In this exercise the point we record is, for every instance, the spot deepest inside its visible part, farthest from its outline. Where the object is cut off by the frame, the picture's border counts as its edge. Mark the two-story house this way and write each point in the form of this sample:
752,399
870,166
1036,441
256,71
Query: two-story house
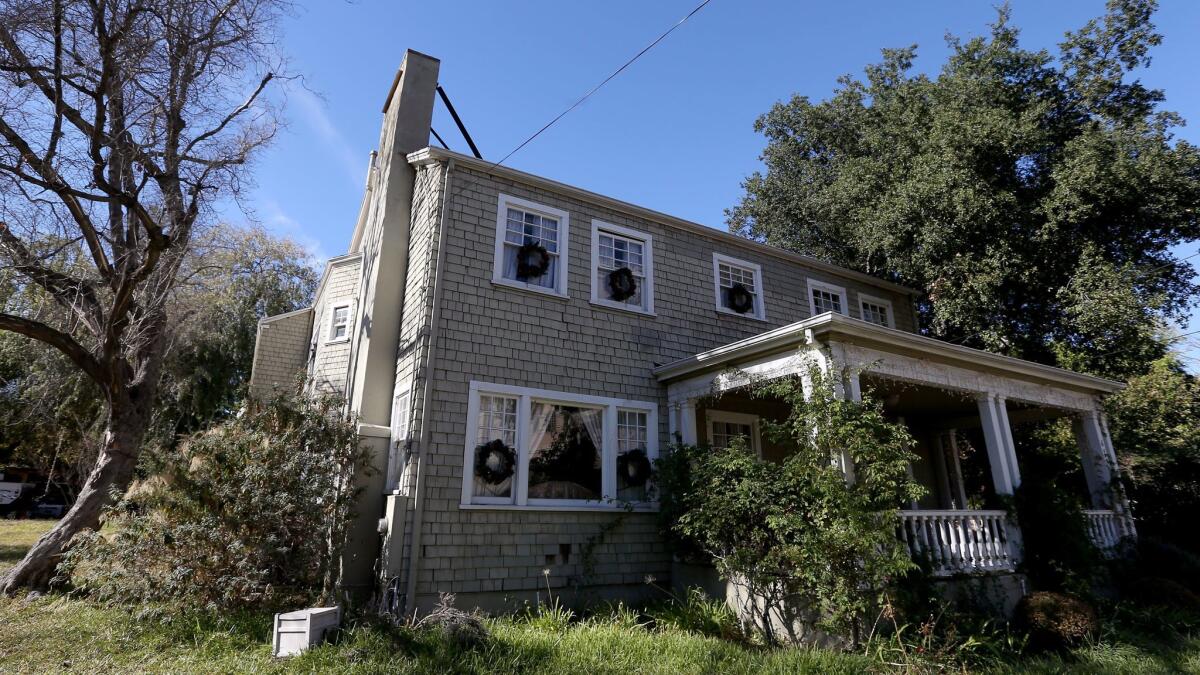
517,351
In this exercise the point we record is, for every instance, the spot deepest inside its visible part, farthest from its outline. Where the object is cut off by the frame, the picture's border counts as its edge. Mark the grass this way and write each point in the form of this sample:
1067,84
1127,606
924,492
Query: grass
59,633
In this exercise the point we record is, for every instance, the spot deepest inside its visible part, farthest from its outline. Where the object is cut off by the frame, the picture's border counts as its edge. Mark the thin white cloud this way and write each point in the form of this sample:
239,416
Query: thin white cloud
315,114
279,221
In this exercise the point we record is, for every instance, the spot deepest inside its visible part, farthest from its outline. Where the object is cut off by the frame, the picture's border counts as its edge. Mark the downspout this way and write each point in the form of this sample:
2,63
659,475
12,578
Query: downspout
418,518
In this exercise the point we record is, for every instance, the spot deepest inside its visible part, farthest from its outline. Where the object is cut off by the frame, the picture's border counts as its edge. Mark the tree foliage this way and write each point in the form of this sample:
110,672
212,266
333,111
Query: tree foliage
52,416
251,511
1006,185
795,532
1156,428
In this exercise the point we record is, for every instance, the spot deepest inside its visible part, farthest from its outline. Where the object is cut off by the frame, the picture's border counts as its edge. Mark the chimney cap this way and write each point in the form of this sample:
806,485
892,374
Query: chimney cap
400,72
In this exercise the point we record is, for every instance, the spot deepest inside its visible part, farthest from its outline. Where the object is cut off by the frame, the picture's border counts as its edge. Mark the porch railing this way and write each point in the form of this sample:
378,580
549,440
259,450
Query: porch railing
1107,528
961,541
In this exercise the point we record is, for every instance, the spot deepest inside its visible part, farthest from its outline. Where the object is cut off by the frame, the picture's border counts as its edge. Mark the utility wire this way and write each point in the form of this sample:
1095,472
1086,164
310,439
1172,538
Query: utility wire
605,81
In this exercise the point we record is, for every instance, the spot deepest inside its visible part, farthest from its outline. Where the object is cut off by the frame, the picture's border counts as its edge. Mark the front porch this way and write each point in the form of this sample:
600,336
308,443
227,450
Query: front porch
961,406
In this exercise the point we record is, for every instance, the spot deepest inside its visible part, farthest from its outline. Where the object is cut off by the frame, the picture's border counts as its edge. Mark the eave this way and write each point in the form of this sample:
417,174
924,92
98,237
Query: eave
840,328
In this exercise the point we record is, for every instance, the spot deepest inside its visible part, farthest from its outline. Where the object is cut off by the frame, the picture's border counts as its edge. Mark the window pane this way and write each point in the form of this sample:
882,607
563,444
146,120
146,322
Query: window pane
723,433
564,452
824,301
497,422
875,313
632,475
547,280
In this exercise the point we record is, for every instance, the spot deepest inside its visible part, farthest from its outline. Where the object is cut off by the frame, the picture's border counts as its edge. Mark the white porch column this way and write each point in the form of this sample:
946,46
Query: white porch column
687,422
993,437
1014,471
1094,455
672,423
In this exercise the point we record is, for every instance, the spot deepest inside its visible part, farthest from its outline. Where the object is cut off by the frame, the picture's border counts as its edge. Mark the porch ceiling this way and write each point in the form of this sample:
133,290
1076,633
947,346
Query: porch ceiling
842,329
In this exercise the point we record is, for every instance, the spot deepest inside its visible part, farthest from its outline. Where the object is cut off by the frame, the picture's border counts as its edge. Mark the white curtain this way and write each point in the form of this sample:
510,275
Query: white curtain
539,426
593,421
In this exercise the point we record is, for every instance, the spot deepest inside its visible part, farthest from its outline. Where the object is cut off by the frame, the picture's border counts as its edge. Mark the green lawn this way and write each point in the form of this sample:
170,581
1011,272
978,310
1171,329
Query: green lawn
57,633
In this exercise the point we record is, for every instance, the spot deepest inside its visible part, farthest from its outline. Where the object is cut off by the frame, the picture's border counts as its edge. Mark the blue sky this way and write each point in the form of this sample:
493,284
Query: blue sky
673,133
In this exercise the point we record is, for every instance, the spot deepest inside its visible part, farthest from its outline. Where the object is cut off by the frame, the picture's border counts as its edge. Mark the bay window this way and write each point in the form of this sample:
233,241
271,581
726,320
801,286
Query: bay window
538,448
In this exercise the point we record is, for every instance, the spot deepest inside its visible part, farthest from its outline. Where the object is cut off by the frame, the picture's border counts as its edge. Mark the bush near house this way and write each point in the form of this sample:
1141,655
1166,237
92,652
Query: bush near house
796,533
250,513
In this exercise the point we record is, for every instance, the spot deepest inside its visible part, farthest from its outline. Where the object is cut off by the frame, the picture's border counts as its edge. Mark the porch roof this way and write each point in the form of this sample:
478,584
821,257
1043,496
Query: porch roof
841,328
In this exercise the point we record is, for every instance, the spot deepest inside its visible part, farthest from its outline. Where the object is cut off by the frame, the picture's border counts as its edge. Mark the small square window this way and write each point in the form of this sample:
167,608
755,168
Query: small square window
622,267
825,297
739,287
877,311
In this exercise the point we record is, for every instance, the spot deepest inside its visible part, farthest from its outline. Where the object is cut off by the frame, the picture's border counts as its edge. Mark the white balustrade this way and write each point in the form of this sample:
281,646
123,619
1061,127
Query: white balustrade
959,541
1107,528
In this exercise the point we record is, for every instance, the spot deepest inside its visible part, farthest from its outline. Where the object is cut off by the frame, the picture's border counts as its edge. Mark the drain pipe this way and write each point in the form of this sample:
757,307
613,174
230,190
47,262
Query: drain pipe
418,519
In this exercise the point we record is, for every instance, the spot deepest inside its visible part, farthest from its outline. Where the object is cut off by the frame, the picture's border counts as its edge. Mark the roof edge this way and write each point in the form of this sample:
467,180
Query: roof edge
829,323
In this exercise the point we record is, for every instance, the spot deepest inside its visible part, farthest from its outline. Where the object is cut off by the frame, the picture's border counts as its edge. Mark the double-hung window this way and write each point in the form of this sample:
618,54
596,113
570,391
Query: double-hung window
739,287
531,246
877,310
622,267
539,448
339,322
825,297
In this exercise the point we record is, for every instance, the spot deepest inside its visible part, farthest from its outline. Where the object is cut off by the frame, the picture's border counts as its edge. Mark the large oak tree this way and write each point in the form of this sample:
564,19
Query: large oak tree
122,123
1035,196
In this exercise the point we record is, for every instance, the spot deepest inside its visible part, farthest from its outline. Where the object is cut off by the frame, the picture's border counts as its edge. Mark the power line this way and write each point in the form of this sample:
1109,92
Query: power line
605,81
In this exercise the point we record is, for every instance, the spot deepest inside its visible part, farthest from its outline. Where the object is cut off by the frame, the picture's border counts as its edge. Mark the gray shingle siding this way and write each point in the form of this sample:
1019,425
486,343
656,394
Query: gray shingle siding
500,335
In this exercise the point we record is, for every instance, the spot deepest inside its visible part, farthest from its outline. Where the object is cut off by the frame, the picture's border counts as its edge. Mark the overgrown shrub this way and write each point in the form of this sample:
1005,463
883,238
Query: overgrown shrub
464,630
252,511
797,531
1054,620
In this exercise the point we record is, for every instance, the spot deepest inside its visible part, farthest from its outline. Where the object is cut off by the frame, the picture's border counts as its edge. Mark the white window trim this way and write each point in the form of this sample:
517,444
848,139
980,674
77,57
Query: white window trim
760,302
711,416
333,306
874,300
647,266
395,451
813,284
525,396
560,284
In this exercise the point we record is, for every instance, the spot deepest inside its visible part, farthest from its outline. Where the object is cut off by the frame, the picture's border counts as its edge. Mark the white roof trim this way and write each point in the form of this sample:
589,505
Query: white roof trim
432,154
799,333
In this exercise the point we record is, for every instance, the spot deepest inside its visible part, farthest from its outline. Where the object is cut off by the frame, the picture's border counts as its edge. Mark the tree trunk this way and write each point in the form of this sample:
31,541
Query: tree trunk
113,472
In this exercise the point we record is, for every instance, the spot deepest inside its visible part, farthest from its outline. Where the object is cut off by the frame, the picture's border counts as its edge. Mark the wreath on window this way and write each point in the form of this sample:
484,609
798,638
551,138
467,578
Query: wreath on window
495,462
532,261
635,467
621,284
741,300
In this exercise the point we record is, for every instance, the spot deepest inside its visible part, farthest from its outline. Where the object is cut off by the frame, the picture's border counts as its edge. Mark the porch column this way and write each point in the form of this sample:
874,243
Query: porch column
1014,471
672,423
687,422
959,485
1094,455
997,448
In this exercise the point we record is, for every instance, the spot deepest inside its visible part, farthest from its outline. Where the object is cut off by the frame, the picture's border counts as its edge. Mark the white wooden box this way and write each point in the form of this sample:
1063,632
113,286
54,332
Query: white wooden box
299,630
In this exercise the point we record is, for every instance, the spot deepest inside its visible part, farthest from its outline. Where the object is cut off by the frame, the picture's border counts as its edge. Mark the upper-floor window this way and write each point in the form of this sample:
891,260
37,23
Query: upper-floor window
531,246
339,322
827,298
531,447
739,287
622,267
877,310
